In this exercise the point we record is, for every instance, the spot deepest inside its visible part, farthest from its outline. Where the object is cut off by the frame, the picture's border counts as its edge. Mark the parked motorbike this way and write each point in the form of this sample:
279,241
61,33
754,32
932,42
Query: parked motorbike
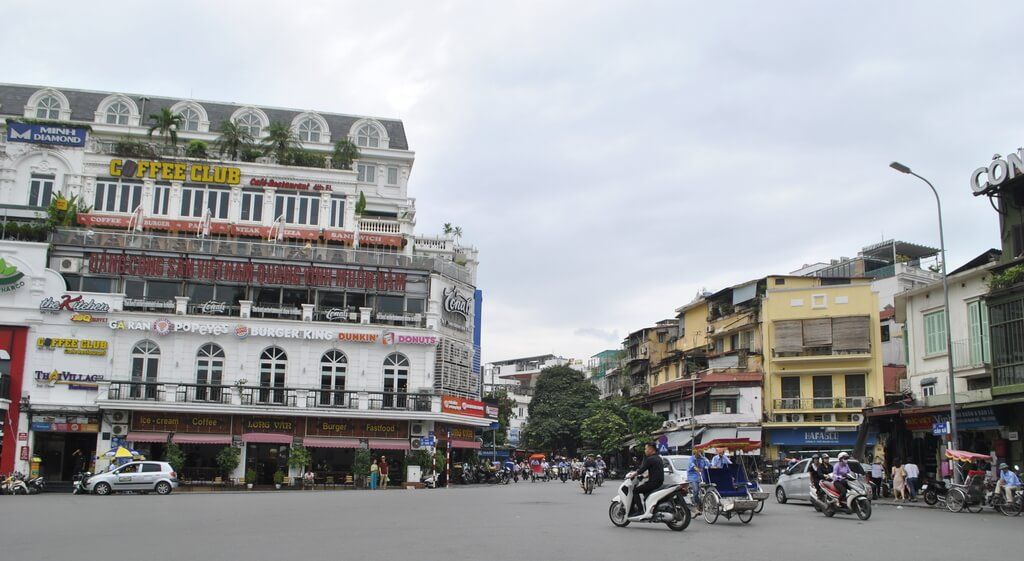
857,498
79,480
934,491
36,485
14,484
666,505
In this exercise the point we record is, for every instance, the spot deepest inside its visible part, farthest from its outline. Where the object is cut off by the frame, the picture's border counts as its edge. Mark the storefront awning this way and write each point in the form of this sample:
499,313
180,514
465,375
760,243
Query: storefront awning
267,438
725,392
465,444
716,433
180,438
681,438
753,433
328,442
143,436
392,444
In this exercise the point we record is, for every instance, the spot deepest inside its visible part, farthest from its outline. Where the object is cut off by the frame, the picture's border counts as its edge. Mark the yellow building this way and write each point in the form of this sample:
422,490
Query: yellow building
822,363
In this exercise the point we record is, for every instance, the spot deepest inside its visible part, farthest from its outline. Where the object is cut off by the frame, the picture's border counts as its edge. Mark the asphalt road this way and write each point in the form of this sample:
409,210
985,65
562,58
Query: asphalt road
523,522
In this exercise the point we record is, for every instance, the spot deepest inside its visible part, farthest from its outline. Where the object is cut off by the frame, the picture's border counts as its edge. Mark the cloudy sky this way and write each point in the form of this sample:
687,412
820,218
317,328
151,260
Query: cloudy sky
608,159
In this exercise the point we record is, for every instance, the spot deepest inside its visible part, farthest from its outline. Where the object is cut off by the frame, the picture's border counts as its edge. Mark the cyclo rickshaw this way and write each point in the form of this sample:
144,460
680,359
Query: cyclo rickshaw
536,467
974,493
727,491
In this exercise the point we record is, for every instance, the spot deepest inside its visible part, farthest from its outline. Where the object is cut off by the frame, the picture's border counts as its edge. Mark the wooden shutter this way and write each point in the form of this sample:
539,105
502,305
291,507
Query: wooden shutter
851,334
818,332
789,336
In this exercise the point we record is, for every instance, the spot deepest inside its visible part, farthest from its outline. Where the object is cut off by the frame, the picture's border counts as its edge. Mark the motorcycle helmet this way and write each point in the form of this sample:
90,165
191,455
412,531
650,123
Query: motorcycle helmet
824,457
815,457
844,456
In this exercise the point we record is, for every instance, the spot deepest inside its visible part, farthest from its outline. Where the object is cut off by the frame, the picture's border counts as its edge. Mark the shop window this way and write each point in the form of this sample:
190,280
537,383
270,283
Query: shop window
355,300
366,173
273,364
161,199
135,288
117,195
298,208
294,298
118,113
393,175
97,284
333,367
252,206
197,199
396,380
162,291
935,333
414,305
368,136
199,293
73,282
48,107
209,373
40,190
390,304
145,364
337,212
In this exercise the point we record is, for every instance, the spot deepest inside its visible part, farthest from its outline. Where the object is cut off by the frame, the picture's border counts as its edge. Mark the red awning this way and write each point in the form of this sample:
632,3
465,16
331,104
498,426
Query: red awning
328,442
389,444
301,233
379,239
180,438
339,236
465,444
143,436
250,231
170,225
107,220
267,438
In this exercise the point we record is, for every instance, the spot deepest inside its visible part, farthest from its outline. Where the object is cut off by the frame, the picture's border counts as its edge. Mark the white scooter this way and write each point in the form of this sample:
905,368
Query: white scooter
666,504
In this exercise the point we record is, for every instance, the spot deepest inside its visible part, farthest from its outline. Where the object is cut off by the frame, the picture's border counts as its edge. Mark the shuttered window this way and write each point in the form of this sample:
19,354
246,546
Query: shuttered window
935,333
851,334
789,336
818,332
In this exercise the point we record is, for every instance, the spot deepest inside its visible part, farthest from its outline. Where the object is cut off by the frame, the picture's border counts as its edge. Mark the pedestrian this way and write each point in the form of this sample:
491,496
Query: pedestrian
877,475
374,475
384,478
899,482
913,473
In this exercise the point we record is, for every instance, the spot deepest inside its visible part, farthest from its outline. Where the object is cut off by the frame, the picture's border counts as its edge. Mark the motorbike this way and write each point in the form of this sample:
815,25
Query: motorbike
79,481
589,481
934,491
14,484
599,477
665,505
857,498
563,473
36,485
429,481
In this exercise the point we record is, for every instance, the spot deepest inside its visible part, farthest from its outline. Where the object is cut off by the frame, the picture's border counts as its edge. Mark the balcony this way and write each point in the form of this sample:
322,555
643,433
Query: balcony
377,226
810,403
89,240
968,355
265,396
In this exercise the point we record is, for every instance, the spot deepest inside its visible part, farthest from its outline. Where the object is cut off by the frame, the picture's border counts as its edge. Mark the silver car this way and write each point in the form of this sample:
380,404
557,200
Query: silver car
675,469
140,477
795,482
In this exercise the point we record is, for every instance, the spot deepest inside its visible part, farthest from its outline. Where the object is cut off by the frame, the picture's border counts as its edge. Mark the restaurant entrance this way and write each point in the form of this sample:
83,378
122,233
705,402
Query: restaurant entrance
64,454
266,459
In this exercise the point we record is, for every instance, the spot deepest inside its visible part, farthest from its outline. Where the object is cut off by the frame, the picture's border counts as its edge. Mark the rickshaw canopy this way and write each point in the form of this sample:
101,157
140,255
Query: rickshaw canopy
731,444
965,456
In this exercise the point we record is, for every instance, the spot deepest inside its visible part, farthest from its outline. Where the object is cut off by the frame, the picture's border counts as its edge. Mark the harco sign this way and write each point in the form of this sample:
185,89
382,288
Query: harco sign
175,171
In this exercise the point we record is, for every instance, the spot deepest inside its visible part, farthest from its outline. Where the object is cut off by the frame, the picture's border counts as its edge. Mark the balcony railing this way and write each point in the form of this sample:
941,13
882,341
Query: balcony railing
235,247
136,391
800,403
969,354
268,395
379,226
203,393
334,399
820,352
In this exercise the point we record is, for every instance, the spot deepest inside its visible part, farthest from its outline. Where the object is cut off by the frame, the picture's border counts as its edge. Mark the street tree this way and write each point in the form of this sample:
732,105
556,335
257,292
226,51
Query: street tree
166,123
605,431
233,139
561,401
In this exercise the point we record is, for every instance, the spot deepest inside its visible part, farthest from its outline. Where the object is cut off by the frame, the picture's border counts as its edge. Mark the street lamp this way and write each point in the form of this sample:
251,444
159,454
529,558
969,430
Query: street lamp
945,294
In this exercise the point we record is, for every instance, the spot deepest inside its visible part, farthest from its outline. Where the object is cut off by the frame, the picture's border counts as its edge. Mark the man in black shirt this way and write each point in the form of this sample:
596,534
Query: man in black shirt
654,469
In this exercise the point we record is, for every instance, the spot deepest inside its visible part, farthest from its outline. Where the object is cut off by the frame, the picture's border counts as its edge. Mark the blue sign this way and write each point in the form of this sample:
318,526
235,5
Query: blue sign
814,436
663,445
46,134
939,429
427,441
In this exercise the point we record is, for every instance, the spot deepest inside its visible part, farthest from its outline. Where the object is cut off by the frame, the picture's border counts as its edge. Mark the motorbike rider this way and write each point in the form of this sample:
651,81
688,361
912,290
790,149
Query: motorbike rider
1008,482
654,468
839,473
817,474
600,465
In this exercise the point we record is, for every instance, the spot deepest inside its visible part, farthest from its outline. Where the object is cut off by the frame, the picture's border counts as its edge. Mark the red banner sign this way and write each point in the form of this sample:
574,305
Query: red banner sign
378,239
462,406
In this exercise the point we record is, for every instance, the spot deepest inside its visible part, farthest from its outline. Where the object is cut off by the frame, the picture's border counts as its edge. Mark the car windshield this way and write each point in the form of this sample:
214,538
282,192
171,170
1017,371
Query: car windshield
680,464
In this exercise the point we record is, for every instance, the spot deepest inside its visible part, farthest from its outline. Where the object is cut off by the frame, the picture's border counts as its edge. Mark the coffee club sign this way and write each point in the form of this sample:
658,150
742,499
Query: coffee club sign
73,346
175,171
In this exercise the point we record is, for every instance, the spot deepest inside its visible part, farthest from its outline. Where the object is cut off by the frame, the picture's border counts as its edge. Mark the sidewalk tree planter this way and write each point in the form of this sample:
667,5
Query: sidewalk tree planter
250,478
299,457
174,456
228,459
278,478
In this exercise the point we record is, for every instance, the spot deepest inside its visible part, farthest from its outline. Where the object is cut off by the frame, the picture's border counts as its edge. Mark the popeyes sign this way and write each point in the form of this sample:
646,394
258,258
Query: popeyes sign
462,406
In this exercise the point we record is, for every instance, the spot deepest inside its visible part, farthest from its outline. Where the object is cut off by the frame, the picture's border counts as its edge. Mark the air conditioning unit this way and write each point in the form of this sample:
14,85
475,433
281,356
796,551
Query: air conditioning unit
781,418
796,418
119,417
856,402
414,444
711,329
904,385
829,417
71,265
119,429
857,418
418,428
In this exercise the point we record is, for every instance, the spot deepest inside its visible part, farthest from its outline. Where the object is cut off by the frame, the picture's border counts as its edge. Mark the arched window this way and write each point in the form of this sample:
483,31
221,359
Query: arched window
117,113
250,123
209,373
368,136
48,107
189,119
333,366
145,362
396,380
310,130
273,364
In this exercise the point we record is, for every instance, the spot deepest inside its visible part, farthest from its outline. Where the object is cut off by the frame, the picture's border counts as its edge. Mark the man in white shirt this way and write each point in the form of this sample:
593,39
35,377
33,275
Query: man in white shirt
912,475
877,476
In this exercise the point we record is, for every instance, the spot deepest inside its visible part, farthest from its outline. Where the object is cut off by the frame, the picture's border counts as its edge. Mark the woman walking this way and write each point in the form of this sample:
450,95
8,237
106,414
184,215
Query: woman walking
899,482
374,475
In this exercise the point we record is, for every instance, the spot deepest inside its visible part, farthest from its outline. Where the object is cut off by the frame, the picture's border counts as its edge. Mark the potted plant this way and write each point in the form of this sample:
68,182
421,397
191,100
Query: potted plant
228,459
250,478
299,457
361,467
278,479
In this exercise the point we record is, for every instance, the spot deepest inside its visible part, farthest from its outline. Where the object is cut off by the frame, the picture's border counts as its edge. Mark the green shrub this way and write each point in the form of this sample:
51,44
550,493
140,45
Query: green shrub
305,158
1009,277
278,477
250,476
228,459
196,149
249,154
300,457
361,466
130,148
174,456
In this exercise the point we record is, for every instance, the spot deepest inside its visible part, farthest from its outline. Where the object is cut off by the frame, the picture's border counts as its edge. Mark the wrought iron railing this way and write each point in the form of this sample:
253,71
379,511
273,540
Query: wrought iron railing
798,403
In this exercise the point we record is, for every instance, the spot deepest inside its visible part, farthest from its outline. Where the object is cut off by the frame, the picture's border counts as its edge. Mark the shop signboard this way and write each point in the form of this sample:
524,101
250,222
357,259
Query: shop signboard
462,406
812,437
977,418
456,309
73,346
939,429
997,172
362,428
24,453
284,425
286,184
167,170
165,326
57,135
457,432
73,304
10,277
392,338
491,410
73,380
64,423
181,422
22,437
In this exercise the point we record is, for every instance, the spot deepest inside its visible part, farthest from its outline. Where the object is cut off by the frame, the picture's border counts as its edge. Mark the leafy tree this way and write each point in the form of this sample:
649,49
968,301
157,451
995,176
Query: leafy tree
642,423
166,122
300,457
305,158
361,466
228,459
279,141
63,212
560,404
249,154
505,405
605,431
196,149
361,204
448,229
457,232
345,152
174,456
233,139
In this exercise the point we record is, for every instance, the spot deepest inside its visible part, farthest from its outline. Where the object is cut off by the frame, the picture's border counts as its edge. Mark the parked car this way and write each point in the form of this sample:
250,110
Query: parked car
140,477
675,469
795,482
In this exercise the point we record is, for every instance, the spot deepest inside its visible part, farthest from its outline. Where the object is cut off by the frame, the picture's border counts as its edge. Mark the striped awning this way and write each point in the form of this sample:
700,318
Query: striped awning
183,438
146,436
390,444
267,438
328,442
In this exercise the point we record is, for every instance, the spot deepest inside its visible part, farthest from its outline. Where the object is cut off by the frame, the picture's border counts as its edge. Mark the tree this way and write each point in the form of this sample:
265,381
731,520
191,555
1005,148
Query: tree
279,141
299,457
228,459
605,431
505,405
561,400
642,423
361,466
361,204
166,122
345,152
447,229
174,456
233,139
457,232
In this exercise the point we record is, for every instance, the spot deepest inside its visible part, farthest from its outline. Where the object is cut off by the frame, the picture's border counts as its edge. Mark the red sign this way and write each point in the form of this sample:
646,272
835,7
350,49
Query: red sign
339,236
24,452
243,272
91,219
378,239
282,184
919,422
22,437
462,406
301,233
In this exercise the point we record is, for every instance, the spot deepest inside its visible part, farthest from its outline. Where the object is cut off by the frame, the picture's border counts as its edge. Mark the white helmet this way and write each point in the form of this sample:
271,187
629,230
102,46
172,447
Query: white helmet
844,456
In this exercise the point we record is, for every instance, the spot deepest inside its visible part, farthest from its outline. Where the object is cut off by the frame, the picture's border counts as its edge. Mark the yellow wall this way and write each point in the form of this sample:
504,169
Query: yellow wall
794,300
695,322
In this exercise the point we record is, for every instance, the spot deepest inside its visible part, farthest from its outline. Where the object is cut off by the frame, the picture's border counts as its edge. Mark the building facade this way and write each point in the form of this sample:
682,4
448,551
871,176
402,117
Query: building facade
213,297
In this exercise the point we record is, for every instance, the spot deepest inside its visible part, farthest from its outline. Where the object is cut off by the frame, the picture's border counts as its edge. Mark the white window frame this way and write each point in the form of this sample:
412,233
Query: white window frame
102,198
392,170
161,199
117,113
368,136
252,200
336,218
310,130
40,191
366,173
190,119
293,213
927,390
48,111
217,199
248,120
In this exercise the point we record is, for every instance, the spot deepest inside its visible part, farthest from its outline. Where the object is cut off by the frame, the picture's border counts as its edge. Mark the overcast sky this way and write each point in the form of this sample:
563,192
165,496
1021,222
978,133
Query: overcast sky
608,159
